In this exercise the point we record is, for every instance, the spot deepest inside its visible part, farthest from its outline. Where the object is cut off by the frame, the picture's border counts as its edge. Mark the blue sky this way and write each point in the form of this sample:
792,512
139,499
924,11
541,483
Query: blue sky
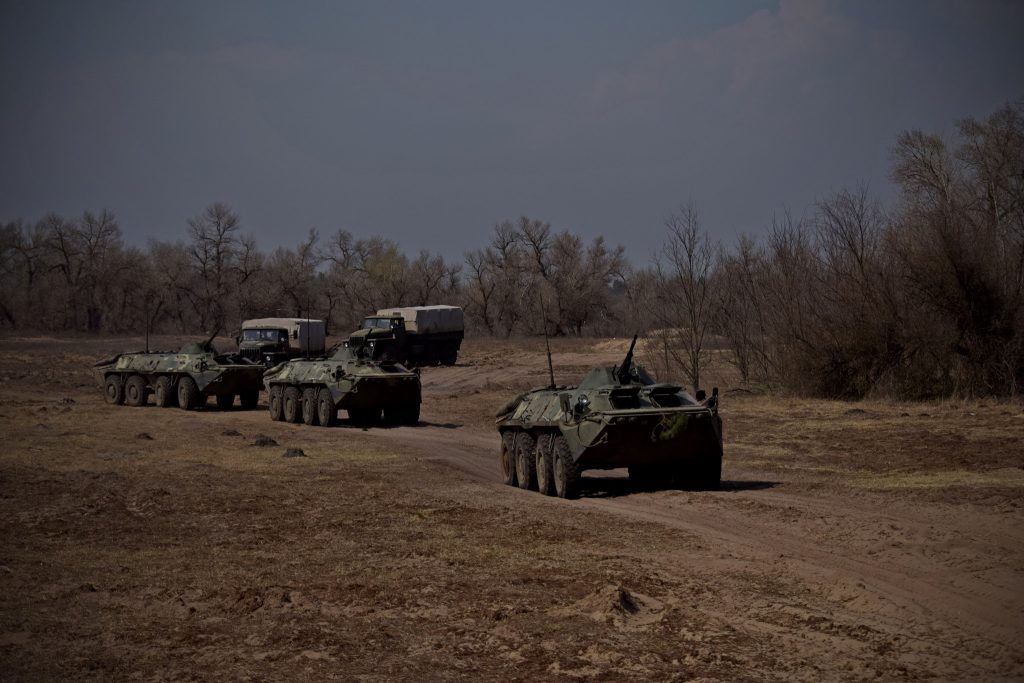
430,122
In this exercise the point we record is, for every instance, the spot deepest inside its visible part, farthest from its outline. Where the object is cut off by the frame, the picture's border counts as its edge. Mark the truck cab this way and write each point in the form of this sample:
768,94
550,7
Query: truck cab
275,340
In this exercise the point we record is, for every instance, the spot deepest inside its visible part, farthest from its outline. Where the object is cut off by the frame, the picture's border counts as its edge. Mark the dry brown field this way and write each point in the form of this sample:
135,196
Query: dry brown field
850,541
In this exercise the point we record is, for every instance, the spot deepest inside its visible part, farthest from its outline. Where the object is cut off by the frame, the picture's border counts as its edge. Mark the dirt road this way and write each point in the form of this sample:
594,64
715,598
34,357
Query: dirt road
869,541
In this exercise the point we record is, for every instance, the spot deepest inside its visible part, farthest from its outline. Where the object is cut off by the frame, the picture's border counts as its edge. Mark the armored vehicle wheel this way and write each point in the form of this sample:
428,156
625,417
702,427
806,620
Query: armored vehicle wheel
325,409
276,404
402,415
364,416
225,401
188,394
508,465
545,472
648,478
526,448
708,476
309,408
249,400
164,393
567,475
135,391
113,390
291,401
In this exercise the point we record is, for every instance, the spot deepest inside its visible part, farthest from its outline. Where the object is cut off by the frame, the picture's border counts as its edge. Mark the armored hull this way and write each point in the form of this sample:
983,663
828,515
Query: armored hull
312,391
616,417
185,378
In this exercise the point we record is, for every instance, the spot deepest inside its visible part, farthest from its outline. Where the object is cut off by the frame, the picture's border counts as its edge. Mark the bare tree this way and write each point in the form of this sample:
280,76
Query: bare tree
685,304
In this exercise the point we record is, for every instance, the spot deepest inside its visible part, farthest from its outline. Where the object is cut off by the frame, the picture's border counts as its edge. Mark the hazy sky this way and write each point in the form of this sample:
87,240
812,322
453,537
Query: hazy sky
428,122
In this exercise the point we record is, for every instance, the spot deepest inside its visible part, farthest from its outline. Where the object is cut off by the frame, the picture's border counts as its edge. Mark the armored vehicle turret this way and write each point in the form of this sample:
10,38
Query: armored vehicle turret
185,377
616,417
312,391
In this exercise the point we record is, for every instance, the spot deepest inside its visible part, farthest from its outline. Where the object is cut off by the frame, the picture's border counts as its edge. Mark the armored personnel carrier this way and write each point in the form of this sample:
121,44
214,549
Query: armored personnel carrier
312,391
186,377
616,417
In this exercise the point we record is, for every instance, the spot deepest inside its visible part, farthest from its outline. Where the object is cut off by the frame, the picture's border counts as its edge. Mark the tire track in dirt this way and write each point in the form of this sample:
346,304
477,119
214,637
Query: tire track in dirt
912,594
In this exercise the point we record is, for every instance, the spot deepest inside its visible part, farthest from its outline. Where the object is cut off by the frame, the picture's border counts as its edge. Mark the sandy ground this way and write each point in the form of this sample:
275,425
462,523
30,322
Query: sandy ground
867,541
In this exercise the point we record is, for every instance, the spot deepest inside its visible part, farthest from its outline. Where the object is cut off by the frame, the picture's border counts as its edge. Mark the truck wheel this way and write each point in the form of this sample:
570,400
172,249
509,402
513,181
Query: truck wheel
309,409
135,391
508,464
188,394
164,393
567,474
113,390
225,401
291,400
449,356
526,456
545,472
249,399
325,408
275,403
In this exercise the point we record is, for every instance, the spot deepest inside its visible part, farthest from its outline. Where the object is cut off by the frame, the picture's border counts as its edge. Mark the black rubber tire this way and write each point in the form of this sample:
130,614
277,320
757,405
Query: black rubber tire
292,405
188,394
543,465
449,355
364,417
408,414
567,473
250,400
650,478
164,394
225,401
709,475
113,390
275,403
526,456
325,408
507,457
309,410
135,391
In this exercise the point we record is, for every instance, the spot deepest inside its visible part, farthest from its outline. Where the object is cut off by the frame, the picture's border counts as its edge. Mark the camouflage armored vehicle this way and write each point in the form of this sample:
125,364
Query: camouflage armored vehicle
312,391
617,417
184,378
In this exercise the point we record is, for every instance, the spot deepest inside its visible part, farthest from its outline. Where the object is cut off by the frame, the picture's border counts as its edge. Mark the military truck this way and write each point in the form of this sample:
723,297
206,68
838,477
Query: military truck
616,417
185,378
416,335
274,340
312,391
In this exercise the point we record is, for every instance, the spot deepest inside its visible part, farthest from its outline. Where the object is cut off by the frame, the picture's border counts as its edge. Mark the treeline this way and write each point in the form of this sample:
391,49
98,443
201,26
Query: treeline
920,299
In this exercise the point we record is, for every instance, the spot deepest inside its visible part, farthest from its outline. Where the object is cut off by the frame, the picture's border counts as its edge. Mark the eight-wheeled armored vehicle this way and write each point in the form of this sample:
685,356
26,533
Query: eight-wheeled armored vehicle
185,377
616,417
312,391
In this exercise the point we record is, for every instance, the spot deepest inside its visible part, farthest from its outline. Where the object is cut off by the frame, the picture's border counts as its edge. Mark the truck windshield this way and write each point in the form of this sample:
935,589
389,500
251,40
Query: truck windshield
376,323
265,335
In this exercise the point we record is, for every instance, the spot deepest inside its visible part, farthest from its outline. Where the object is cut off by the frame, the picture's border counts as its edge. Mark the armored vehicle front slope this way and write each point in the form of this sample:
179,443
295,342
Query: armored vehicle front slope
184,378
312,391
617,417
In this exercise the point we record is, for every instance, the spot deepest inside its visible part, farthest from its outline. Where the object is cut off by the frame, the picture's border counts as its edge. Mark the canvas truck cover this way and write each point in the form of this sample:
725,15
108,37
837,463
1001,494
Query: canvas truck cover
427,319
307,335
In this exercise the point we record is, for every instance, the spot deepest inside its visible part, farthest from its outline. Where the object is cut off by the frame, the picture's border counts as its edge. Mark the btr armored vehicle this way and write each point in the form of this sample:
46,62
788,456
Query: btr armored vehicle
312,391
184,378
616,417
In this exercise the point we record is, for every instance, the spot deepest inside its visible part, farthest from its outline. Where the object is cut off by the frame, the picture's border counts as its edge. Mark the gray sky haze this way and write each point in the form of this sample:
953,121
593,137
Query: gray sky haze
429,122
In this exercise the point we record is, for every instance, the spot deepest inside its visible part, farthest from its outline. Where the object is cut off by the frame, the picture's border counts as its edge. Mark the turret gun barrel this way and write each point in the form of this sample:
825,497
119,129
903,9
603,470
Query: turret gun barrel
622,373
